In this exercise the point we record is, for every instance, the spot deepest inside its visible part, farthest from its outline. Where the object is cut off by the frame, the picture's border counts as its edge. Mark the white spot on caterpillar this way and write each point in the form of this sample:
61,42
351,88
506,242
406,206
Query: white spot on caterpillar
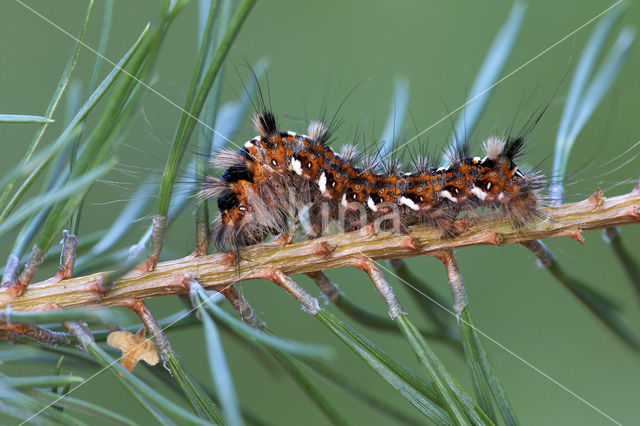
479,193
441,169
476,159
371,204
409,203
295,166
344,200
500,196
248,144
289,133
446,194
322,183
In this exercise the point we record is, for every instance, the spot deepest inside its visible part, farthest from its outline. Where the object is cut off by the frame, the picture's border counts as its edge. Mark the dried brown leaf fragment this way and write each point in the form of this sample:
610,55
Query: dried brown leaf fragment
134,347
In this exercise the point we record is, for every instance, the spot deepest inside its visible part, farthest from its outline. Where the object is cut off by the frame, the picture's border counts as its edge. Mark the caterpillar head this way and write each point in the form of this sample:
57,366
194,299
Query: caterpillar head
244,218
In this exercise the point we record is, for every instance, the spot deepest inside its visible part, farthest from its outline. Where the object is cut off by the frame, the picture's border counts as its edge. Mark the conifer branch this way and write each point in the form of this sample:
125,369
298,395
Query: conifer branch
218,271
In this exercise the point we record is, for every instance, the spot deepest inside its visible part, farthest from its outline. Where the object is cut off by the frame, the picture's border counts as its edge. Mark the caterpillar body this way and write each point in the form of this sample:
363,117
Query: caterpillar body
276,176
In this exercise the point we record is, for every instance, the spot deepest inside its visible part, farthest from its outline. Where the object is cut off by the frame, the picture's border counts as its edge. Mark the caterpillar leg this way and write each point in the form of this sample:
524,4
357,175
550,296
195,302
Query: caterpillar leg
283,238
445,220
389,218
321,214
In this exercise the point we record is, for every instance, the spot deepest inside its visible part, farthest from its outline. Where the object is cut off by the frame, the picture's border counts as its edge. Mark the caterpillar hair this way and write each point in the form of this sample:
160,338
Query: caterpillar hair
277,175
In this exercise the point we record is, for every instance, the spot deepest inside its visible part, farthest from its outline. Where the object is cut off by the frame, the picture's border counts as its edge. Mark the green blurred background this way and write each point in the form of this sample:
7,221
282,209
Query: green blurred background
318,52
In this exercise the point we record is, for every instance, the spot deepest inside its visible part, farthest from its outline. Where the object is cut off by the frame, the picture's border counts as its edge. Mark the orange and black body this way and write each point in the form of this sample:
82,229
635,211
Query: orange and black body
277,176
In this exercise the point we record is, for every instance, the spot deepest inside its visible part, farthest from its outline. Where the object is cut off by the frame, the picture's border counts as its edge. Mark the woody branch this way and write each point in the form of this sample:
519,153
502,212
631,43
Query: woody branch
218,271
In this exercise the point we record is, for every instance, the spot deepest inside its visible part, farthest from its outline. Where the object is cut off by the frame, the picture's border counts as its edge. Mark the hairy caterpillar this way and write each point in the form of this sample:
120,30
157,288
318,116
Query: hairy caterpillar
277,175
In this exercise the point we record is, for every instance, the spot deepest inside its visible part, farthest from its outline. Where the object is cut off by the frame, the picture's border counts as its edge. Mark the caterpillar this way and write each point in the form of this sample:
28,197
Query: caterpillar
276,176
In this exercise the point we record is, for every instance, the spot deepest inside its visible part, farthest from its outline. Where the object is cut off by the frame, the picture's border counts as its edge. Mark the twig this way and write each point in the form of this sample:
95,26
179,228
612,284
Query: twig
11,270
16,289
32,266
40,334
329,289
216,272
9,336
155,243
81,332
67,255
455,281
243,308
439,317
384,288
308,303
153,328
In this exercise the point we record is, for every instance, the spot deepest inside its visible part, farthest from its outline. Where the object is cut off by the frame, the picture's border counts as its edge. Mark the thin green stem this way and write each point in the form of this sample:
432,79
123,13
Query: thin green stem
62,85
193,109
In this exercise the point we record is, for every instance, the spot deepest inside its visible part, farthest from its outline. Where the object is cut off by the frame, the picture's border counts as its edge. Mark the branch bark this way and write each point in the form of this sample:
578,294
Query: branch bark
218,271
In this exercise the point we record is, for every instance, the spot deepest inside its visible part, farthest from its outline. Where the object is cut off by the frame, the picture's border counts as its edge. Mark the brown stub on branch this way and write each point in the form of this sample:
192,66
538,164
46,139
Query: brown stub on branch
9,293
134,347
461,225
280,241
183,282
95,287
229,258
318,250
574,233
410,243
595,199
369,230
493,238
322,249
632,211
487,236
